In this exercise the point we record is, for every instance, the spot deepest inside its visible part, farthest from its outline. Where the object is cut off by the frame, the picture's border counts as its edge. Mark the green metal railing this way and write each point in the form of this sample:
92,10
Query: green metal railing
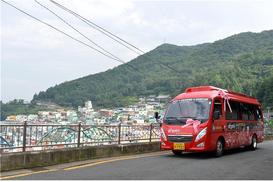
28,137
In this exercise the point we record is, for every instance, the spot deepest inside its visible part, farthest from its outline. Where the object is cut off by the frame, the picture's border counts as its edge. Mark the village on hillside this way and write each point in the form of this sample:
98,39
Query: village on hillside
140,113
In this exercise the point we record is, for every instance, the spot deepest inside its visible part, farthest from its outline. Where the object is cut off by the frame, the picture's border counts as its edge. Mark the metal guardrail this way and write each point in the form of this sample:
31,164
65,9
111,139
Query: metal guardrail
29,137
268,131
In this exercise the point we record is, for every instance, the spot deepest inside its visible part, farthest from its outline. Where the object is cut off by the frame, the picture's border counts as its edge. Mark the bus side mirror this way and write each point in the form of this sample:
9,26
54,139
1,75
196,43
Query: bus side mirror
157,116
216,115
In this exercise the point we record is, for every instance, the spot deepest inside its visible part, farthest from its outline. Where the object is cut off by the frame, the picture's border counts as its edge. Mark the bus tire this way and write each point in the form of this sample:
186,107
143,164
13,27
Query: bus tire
253,145
219,148
177,152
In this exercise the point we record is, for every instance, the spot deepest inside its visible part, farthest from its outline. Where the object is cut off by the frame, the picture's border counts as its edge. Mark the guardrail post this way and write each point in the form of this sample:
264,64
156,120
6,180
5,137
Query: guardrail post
24,136
79,134
151,129
119,132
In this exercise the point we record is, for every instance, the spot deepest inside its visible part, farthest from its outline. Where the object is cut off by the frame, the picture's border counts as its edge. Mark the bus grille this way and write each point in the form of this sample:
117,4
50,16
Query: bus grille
180,138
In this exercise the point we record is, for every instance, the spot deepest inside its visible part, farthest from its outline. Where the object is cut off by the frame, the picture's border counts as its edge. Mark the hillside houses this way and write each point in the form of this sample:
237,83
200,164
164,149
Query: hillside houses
139,113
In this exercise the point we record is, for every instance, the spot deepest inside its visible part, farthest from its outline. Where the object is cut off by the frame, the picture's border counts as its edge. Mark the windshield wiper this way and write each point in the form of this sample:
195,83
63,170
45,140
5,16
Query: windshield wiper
171,117
187,117
176,119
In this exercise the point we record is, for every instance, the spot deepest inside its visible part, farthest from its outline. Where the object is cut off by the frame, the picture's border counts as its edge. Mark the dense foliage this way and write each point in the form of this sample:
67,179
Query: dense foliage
242,62
18,107
265,92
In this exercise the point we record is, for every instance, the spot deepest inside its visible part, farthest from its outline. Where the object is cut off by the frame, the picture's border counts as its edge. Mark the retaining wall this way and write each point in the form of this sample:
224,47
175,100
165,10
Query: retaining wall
22,160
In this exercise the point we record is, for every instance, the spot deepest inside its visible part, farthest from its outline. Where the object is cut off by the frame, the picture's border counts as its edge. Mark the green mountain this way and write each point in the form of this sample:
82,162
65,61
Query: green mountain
242,62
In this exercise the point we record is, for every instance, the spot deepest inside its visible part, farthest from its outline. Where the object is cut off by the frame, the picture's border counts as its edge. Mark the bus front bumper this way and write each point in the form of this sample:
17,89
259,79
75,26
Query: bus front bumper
189,147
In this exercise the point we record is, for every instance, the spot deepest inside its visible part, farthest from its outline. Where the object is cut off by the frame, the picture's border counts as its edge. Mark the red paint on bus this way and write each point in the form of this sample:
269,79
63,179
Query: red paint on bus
232,118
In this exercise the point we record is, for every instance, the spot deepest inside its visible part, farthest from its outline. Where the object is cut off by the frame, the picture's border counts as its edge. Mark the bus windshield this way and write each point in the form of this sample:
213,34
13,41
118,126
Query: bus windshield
180,110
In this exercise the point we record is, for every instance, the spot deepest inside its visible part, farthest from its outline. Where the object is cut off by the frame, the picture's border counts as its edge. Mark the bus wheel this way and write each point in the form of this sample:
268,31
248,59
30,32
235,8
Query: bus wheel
253,145
219,148
177,152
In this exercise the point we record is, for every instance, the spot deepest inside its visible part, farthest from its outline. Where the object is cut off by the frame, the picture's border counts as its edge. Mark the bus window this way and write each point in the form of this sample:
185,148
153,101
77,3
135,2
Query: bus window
251,114
258,113
248,112
244,111
218,106
195,108
234,115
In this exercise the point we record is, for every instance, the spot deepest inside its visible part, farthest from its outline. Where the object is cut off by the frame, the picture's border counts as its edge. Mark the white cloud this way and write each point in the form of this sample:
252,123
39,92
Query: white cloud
35,57
26,33
98,8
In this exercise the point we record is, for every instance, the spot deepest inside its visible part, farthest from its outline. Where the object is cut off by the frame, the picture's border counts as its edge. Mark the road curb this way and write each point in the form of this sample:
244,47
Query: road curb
25,160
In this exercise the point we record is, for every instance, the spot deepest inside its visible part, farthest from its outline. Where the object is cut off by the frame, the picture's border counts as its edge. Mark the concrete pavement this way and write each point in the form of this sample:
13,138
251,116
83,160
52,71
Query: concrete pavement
235,164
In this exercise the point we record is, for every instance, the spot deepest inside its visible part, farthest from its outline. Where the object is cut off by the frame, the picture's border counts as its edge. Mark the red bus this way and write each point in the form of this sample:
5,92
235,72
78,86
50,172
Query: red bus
208,118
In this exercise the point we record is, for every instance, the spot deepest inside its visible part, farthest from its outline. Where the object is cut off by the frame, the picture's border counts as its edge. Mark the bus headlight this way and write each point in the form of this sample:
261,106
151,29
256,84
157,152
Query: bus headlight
163,135
201,144
201,134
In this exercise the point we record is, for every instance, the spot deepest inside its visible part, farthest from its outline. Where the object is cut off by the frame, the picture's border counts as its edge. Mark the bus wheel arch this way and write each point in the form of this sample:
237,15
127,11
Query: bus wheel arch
220,146
253,145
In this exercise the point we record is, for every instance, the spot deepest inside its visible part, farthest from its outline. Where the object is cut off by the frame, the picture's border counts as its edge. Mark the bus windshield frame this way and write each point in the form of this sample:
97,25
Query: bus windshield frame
179,111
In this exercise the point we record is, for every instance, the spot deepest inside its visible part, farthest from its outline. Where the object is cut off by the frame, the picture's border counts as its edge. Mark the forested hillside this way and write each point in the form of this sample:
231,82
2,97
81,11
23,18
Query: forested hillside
242,62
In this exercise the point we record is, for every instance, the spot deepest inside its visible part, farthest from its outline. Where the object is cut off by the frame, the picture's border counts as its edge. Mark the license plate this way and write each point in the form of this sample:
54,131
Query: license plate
178,146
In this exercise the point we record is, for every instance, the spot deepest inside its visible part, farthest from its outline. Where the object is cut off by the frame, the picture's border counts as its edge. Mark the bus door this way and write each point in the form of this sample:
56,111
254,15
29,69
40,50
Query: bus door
218,121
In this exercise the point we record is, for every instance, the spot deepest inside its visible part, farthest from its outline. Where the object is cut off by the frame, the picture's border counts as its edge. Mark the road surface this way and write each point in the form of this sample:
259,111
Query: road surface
235,164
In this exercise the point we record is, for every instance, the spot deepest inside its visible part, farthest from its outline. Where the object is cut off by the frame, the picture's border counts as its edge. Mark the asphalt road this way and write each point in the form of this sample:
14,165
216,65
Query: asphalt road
235,164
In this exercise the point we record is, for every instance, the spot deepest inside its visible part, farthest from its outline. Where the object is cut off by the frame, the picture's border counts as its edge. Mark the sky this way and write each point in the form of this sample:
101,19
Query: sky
35,57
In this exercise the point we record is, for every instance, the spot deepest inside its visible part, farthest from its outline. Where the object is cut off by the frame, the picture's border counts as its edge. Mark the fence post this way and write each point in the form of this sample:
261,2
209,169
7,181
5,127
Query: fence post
119,132
79,134
151,129
24,136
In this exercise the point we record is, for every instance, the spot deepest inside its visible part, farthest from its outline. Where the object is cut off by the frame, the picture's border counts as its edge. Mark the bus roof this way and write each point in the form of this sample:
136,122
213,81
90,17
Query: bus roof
212,92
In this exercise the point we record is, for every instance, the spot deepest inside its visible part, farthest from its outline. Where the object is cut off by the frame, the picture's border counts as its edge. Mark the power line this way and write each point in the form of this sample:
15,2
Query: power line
51,26
77,30
77,40
166,65
100,29
134,68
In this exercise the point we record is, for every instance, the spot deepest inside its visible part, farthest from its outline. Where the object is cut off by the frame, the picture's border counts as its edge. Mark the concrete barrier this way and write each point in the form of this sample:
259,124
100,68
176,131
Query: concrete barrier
13,161
24,160
268,137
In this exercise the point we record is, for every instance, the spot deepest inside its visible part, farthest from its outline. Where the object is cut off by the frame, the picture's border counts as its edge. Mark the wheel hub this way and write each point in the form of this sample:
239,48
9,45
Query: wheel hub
254,142
219,147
